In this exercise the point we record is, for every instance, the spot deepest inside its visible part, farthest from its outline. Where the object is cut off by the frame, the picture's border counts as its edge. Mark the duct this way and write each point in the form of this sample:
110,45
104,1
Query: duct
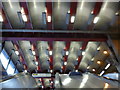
29,58
58,54
46,83
43,47
89,54
10,50
74,49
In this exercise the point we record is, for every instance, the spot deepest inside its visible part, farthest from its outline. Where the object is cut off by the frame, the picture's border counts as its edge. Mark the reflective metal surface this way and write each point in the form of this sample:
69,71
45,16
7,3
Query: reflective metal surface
87,80
21,80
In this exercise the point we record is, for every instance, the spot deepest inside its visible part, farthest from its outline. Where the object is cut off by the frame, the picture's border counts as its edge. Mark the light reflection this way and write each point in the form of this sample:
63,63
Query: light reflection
66,81
84,80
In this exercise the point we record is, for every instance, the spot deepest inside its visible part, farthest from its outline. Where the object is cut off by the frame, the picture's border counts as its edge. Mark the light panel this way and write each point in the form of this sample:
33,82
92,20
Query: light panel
107,66
102,73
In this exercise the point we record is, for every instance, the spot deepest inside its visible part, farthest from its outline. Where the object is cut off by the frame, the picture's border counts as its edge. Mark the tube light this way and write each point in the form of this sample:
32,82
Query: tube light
68,11
72,19
49,18
102,73
107,66
1,18
17,52
96,20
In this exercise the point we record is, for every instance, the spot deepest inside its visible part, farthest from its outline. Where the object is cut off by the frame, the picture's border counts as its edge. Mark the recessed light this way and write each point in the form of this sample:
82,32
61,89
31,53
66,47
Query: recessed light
68,11
33,52
65,63
93,70
83,52
98,62
25,71
105,52
50,52
76,70
72,19
98,48
88,67
51,71
36,63
92,12
107,66
67,52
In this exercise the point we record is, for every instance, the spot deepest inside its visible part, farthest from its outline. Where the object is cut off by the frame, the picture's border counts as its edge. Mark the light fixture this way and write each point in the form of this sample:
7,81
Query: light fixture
105,52
92,12
49,18
102,73
50,52
76,70
98,62
24,17
116,13
51,71
83,52
65,63
72,19
93,70
1,18
98,48
77,59
51,81
36,63
17,52
106,85
88,67
92,59
67,52
107,66
33,52
25,71
68,11
96,20
42,86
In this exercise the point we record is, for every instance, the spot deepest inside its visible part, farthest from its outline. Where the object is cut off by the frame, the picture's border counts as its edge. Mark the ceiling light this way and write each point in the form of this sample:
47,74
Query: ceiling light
42,86
96,20
88,67
98,48
72,19
92,59
102,73
51,81
17,52
22,10
46,10
83,52
50,52
36,63
116,13
25,71
106,85
24,17
105,52
67,52
92,12
68,11
65,63
51,71
49,18
107,66
33,52
77,59
98,62
76,70
1,18
93,70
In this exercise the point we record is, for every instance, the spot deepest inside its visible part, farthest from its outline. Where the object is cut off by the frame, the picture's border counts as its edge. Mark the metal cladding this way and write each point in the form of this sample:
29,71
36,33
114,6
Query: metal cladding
29,58
58,54
43,47
11,52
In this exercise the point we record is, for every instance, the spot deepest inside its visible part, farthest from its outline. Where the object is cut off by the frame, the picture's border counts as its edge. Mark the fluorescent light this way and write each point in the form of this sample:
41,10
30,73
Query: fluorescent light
65,63
83,52
96,20
67,52
33,52
50,52
49,18
1,18
24,17
66,81
76,70
72,19
82,4
102,73
93,70
107,66
17,52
